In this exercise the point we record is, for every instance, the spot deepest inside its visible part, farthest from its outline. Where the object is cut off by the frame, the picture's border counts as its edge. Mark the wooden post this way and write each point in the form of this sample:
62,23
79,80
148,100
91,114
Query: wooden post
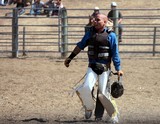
15,33
154,41
64,36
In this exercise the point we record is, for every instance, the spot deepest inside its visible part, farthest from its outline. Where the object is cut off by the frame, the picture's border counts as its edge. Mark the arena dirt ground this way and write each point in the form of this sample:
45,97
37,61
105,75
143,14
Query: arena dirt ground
38,90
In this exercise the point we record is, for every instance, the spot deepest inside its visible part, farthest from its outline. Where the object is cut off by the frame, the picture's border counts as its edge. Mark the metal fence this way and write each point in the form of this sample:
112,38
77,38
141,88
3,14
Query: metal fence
57,35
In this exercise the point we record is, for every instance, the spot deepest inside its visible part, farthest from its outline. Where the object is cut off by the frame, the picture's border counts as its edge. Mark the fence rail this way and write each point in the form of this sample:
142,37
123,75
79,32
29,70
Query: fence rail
58,34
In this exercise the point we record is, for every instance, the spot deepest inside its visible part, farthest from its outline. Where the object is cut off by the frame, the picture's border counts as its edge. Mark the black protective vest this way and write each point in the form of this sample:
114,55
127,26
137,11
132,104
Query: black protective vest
98,46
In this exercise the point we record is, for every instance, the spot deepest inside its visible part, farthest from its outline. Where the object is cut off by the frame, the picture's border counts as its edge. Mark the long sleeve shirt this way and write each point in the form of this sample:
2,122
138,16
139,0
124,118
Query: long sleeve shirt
113,47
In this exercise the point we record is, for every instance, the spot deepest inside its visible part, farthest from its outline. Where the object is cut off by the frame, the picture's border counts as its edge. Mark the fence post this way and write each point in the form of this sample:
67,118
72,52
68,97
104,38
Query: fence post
64,36
24,33
154,41
115,21
15,33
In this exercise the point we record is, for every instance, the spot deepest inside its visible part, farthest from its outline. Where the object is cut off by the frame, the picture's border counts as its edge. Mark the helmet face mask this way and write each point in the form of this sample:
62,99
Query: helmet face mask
117,89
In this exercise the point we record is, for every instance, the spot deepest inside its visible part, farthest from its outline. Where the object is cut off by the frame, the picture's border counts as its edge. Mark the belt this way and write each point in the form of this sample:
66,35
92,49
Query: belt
106,66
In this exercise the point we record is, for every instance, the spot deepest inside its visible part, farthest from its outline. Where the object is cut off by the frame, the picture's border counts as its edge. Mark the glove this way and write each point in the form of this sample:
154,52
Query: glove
67,61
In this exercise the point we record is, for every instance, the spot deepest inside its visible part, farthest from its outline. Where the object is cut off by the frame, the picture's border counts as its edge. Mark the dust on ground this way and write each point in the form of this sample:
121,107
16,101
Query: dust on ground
38,90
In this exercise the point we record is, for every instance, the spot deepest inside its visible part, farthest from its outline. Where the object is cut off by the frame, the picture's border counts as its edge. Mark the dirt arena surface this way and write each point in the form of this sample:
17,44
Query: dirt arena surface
37,90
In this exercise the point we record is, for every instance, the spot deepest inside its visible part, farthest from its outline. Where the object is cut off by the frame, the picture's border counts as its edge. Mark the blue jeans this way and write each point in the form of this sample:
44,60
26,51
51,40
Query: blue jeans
21,11
35,12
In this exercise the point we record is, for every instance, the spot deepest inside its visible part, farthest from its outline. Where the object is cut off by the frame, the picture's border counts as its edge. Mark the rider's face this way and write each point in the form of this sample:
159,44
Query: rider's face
99,22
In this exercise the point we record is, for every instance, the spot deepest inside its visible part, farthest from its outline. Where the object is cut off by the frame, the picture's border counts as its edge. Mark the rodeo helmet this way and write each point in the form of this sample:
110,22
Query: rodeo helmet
117,89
